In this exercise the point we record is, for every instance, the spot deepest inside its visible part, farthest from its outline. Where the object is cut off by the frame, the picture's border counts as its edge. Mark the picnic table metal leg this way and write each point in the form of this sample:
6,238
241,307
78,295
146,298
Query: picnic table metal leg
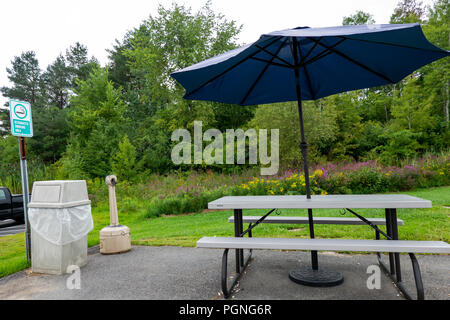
241,263
394,230
399,284
241,229
389,232
395,272
237,233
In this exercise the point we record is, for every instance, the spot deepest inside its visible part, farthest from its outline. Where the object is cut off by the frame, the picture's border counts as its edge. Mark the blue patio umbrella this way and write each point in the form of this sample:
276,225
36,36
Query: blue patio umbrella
307,64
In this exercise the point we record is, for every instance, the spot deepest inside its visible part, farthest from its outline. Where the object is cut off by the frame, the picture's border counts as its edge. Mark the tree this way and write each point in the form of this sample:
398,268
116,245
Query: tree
57,83
320,128
228,116
412,110
349,127
4,121
97,150
118,69
25,77
360,17
50,134
437,75
401,144
408,11
96,99
172,40
79,66
375,104
97,124
9,154
123,162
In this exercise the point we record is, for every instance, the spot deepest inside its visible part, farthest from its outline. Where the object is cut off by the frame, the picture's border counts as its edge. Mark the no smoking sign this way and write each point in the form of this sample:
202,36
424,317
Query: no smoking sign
21,122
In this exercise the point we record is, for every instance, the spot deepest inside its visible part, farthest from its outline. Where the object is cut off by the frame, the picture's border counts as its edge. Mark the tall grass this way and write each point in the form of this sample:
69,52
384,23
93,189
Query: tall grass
189,191
10,176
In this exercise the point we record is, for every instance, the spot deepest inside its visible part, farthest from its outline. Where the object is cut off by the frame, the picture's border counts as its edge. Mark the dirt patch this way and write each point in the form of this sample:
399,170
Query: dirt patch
25,286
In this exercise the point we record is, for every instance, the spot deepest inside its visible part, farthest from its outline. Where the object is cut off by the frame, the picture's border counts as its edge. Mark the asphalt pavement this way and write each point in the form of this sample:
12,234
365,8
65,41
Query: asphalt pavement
9,227
173,273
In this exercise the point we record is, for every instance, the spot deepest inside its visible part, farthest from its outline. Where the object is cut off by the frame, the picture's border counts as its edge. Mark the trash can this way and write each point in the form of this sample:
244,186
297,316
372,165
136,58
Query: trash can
60,220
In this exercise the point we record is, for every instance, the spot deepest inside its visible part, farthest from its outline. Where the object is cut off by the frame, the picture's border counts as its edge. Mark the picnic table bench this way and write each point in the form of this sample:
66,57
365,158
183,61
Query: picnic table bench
392,245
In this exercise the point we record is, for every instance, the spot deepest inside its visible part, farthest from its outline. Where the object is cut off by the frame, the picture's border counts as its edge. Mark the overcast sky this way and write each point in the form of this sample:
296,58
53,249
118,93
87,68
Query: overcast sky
49,27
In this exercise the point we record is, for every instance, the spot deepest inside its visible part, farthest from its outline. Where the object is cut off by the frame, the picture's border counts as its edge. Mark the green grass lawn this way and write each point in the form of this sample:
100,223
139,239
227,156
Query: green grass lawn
185,230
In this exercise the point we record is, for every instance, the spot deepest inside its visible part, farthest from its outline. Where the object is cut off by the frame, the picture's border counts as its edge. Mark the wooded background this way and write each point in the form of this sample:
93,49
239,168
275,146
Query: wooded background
91,120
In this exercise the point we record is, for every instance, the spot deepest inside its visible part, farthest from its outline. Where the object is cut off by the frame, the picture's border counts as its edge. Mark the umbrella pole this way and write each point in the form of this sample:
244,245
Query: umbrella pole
309,276
304,150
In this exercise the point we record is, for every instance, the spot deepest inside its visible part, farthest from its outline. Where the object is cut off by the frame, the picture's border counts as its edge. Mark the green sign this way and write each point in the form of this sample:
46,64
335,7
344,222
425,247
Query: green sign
21,122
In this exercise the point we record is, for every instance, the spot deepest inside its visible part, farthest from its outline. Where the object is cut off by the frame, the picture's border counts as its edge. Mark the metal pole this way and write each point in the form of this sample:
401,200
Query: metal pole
304,150
237,233
25,194
305,275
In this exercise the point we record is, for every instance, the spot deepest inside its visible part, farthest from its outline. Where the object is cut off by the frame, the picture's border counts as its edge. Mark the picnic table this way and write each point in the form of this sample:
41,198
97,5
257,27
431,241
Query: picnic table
390,203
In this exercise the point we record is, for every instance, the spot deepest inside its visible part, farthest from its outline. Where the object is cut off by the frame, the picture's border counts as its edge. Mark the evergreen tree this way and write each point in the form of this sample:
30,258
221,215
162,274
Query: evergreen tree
50,134
25,76
57,83
79,66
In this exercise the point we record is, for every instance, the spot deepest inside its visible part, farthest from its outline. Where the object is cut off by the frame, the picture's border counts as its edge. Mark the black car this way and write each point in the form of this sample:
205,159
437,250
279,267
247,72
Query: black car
11,205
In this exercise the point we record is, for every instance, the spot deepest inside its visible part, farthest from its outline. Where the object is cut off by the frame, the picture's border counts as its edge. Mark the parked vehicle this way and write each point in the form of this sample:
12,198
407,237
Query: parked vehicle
11,205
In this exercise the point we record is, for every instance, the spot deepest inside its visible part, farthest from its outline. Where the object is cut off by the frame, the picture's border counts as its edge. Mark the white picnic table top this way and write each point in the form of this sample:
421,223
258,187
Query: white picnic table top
352,201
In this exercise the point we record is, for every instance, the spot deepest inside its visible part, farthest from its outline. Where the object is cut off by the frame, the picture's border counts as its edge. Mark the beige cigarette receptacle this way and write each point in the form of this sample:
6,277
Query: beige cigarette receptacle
114,238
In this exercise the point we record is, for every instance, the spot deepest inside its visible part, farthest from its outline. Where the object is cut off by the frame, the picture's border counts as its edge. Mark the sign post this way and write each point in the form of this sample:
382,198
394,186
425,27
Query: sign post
22,126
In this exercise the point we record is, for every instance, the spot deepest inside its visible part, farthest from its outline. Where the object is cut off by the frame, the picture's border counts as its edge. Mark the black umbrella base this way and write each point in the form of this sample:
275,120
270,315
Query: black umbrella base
316,278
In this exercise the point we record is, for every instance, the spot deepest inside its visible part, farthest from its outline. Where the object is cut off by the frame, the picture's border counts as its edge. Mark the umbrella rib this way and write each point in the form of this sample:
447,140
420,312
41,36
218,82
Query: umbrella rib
391,44
321,55
306,72
313,47
355,62
230,68
274,56
272,63
269,63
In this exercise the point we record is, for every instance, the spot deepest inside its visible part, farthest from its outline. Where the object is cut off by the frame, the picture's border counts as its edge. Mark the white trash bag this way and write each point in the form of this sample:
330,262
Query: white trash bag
61,226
